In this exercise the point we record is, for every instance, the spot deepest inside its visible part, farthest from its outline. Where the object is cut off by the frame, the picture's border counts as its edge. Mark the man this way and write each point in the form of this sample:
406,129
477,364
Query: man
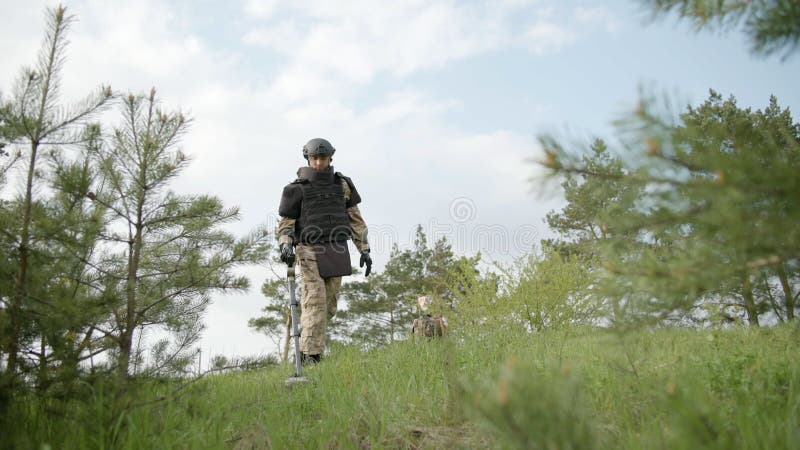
319,213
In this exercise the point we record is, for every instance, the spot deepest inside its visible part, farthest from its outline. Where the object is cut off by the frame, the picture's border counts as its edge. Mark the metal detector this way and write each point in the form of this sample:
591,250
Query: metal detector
298,377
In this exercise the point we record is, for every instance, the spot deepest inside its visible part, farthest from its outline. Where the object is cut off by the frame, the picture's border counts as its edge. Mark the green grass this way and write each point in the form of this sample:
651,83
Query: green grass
664,389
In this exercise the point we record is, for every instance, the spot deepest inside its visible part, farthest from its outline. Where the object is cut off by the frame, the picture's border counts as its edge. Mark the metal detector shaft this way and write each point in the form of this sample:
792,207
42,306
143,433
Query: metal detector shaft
295,324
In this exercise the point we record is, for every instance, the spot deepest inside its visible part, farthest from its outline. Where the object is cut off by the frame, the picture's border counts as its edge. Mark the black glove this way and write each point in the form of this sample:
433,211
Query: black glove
365,259
287,254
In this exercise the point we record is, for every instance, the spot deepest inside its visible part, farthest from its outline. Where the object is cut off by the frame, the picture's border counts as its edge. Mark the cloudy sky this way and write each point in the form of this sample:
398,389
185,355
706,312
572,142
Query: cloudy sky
433,106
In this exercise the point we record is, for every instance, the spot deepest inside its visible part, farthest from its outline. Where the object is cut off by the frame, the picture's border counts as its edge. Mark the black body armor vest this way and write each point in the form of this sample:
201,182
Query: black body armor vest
323,215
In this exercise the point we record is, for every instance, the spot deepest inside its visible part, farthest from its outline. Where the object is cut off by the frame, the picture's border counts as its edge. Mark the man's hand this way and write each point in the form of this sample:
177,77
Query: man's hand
366,259
287,254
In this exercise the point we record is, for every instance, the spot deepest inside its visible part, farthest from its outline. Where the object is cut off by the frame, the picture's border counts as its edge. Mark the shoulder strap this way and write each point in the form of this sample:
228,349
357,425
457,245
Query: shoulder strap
350,184
342,176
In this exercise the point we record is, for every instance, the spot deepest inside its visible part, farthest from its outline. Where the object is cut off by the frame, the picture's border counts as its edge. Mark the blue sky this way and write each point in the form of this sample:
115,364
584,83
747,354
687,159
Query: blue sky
434,107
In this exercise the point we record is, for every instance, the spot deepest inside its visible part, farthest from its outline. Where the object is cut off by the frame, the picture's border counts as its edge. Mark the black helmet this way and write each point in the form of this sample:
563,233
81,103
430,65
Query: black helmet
318,146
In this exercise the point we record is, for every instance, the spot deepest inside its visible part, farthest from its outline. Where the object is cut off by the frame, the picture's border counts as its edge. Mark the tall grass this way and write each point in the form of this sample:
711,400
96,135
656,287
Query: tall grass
575,388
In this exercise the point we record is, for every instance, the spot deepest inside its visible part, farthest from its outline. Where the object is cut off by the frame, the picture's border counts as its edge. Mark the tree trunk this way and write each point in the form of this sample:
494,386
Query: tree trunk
787,293
20,285
126,338
391,326
775,306
749,302
42,381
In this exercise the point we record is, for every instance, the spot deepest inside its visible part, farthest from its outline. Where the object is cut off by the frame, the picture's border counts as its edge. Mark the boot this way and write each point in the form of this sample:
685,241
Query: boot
310,359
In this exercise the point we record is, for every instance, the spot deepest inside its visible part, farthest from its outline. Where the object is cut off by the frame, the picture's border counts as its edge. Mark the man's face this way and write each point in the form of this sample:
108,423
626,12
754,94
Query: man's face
319,162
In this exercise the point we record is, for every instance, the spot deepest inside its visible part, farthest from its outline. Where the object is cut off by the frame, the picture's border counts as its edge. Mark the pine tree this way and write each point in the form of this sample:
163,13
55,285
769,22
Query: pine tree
69,304
601,190
382,308
384,304
33,119
168,252
717,203
710,227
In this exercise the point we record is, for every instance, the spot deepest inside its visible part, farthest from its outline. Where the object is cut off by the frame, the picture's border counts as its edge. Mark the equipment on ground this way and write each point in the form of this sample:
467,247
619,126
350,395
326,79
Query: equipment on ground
429,326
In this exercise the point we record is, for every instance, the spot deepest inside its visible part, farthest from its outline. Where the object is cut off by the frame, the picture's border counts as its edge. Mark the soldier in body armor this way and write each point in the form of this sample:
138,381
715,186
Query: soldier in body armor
319,213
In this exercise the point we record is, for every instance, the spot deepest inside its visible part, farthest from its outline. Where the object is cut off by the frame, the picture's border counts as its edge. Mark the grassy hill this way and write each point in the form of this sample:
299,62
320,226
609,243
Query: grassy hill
670,388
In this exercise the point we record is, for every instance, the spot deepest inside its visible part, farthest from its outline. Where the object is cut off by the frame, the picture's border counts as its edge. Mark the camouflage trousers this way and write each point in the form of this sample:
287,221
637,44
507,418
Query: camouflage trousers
318,300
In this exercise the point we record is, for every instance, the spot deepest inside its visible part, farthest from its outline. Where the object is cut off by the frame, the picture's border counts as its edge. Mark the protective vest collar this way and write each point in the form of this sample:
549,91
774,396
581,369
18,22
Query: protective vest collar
316,177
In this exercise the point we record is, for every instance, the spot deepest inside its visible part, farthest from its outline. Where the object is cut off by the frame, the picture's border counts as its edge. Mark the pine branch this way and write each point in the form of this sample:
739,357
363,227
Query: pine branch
111,206
51,60
85,110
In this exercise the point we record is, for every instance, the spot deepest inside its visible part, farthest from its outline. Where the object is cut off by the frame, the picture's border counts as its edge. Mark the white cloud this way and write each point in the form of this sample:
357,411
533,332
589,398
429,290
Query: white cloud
352,43
332,49
262,9
596,16
282,37
400,106
132,45
516,4
546,37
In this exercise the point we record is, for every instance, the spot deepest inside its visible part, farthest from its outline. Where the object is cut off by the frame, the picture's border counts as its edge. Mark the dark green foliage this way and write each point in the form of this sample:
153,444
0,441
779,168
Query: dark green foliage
41,260
71,307
712,212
